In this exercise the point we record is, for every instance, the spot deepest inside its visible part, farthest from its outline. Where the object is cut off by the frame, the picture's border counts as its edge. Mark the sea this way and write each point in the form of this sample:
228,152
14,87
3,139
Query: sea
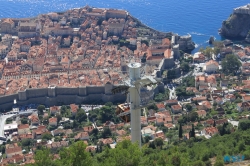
200,18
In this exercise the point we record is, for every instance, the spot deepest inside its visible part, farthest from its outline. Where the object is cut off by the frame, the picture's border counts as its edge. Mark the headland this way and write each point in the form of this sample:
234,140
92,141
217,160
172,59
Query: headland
238,24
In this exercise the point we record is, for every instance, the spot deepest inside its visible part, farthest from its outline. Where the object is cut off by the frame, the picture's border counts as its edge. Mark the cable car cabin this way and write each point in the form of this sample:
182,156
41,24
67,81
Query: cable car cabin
123,111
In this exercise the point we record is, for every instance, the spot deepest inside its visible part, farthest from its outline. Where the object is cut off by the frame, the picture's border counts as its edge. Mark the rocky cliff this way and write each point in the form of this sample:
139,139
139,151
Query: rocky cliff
236,26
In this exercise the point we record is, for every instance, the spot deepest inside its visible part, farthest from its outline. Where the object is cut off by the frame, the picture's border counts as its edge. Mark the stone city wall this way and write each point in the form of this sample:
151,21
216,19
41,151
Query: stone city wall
8,99
63,95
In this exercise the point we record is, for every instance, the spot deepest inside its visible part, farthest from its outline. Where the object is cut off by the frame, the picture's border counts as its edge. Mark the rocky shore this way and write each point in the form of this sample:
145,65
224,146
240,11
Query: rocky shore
238,24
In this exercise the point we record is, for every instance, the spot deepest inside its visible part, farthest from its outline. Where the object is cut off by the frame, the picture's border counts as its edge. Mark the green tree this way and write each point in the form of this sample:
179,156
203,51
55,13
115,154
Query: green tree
171,74
147,139
161,96
63,109
106,133
43,157
219,162
59,117
208,52
176,160
244,124
81,115
158,142
75,155
26,142
125,154
109,104
242,146
40,109
24,120
46,136
153,107
192,133
193,116
230,64
198,163
107,113
189,107
180,131
185,67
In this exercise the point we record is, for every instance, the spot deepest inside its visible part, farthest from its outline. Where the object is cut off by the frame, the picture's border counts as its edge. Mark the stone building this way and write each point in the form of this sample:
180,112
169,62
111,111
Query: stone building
28,29
112,13
7,26
115,28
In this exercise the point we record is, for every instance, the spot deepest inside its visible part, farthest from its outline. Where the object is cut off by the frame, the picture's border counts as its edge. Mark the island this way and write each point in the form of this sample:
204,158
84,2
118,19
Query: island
79,55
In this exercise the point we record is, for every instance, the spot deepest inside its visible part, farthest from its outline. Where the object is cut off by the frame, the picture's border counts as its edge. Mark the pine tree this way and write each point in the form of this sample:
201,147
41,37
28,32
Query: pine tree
180,131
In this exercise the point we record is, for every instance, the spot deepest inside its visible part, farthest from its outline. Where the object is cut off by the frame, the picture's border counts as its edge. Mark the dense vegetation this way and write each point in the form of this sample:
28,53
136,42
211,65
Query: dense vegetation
162,96
195,152
186,82
230,64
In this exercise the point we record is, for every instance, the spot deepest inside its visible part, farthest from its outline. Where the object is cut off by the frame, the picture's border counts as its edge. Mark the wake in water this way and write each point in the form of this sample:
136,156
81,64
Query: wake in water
198,34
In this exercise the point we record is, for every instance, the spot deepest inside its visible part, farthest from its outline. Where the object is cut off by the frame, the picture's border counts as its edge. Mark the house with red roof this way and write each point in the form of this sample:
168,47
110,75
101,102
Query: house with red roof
176,109
160,106
210,131
202,113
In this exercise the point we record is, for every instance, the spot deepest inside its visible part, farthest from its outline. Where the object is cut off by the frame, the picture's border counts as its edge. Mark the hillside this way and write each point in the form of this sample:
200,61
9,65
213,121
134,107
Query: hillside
195,152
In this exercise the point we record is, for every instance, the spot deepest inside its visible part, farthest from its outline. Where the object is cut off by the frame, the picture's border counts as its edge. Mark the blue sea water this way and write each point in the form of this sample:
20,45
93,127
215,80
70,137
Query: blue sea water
200,18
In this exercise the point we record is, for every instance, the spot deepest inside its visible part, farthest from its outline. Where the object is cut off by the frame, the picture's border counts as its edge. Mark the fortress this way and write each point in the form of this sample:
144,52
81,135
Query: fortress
65,95
242,9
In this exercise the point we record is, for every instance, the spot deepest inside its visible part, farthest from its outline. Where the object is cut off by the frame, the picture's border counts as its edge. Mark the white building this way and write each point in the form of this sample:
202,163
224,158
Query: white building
211,66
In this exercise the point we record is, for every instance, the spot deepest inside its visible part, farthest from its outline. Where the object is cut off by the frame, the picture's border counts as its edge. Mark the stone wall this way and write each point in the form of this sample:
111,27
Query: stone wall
8,99
34,93
67,91
64,95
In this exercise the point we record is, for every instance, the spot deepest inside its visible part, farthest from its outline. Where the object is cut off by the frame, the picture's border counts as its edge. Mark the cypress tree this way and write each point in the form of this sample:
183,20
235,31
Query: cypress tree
97,149
214,124
192,131
223,129
180,131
